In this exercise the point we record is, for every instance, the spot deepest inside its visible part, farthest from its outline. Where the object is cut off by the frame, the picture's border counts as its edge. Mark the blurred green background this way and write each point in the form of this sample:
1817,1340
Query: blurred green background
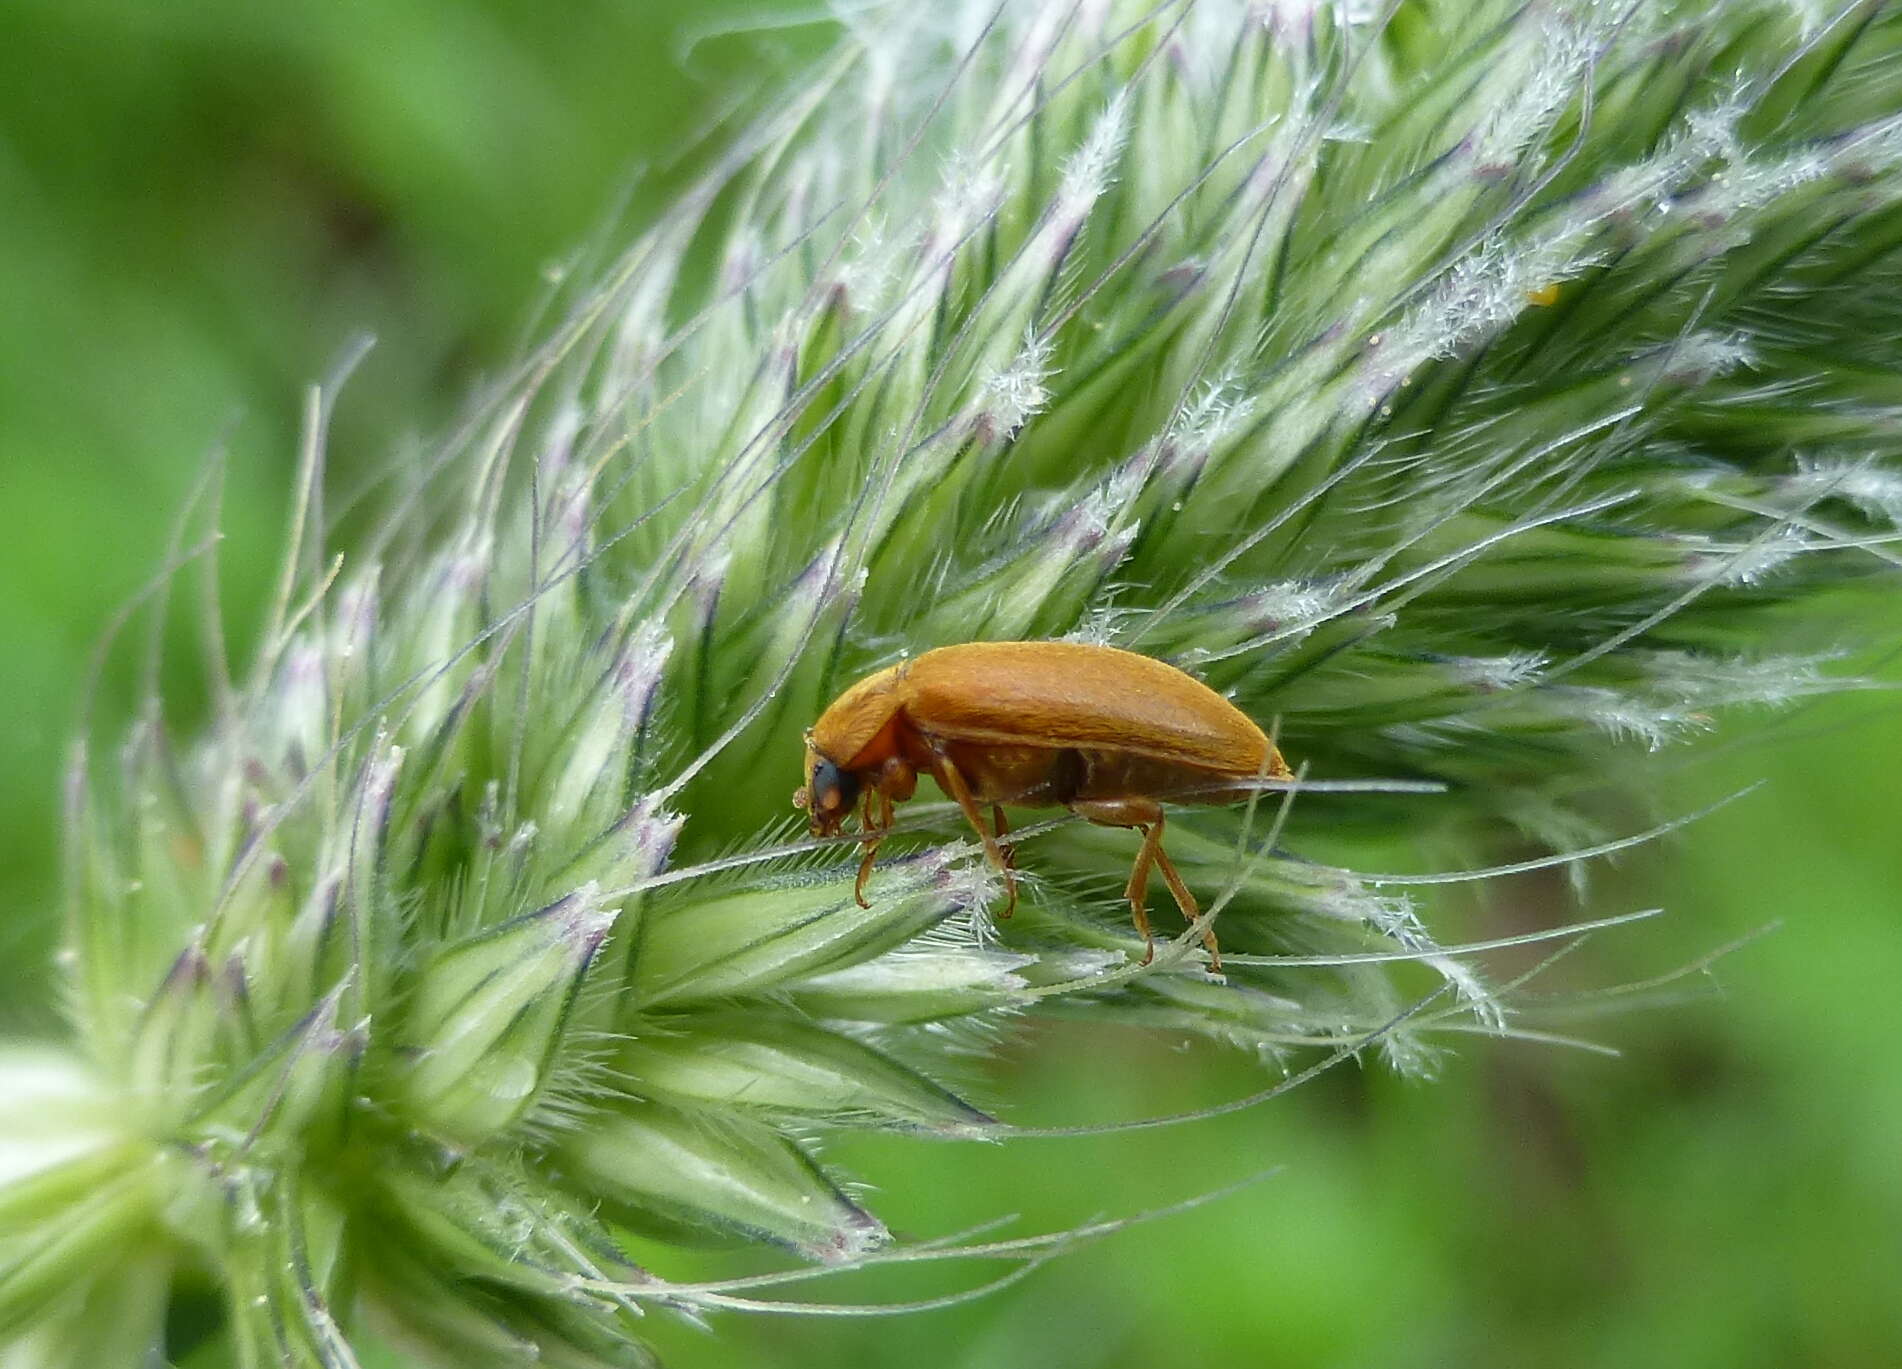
200,205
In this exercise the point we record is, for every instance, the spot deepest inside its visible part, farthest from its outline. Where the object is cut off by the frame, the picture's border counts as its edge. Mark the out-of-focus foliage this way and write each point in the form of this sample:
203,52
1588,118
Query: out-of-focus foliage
203,205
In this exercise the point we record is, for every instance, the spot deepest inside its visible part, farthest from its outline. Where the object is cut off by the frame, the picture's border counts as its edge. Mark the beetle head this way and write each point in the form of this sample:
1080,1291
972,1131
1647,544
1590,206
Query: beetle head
829,794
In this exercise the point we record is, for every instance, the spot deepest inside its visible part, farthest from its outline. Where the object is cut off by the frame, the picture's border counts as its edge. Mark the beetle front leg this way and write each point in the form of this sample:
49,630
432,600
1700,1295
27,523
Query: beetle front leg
896,780
873,835
953,784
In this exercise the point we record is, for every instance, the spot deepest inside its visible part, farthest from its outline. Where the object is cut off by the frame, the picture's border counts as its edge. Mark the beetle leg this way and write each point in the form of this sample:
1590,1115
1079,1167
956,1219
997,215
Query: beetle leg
1010,854
1002,828
1145,815
874,833
1184,899
953,783
1137,892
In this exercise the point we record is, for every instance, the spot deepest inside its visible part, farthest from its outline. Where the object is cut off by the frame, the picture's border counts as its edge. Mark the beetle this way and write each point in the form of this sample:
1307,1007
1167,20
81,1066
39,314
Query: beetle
1104,732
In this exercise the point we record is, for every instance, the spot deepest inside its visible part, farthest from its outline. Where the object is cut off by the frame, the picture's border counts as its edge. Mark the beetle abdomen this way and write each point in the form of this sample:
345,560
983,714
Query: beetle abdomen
1045,776
1110,775
1089,698
1022,776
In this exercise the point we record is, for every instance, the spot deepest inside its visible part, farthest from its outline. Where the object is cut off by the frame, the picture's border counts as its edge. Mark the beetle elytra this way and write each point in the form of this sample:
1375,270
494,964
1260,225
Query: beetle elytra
1104,732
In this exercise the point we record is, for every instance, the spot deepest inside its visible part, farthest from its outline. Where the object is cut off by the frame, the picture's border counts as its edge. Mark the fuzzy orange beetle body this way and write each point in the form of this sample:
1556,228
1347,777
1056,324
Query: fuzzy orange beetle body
1103,732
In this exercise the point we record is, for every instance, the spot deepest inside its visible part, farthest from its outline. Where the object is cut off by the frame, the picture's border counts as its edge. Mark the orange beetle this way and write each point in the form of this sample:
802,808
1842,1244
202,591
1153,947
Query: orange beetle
1103,732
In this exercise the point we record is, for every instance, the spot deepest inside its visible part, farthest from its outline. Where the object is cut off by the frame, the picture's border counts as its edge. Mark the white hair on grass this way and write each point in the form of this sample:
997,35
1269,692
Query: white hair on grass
1088,170
1470,990
1554,63
1496,674
972,926
1750,563
1220,411
379,781
1638,191
1099,626
639,669
970,192
1015,393
1869,151
1396,917
930,963
1705,355
1291,609
973,887
1624,717
1484,291
862,280
1860,481
1407,1055
1099,525
1703,680
1708,131
1118,493
1748,183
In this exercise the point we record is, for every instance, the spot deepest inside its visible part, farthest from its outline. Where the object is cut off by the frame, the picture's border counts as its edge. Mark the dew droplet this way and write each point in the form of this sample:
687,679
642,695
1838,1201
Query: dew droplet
513,1078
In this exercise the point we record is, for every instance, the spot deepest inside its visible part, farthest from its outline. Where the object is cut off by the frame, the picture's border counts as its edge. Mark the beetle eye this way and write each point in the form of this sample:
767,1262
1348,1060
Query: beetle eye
833,789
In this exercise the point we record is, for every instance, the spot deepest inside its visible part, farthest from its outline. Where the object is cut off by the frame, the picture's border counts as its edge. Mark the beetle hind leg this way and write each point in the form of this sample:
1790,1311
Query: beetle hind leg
1191,912
1145,815
1002,829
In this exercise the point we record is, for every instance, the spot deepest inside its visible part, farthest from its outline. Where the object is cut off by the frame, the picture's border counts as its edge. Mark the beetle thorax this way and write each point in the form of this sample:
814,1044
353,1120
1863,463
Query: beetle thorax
859,728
